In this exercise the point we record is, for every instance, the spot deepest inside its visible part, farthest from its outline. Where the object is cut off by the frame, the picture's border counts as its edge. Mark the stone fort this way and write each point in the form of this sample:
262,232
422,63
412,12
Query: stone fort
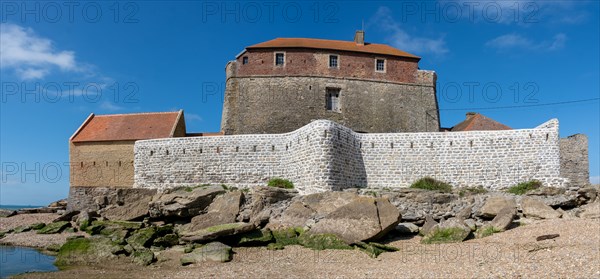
326,115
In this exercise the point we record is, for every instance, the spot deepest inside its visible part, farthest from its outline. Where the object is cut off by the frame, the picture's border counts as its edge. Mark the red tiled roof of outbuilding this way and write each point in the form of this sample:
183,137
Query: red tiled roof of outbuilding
479,122
135,126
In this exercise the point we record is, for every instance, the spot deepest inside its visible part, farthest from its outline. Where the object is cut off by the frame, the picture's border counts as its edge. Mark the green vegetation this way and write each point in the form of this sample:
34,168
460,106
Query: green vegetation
322,242
281,183
524,187
256,237
472,191
374,249
487,231
222,227
71,248
447,235
428,183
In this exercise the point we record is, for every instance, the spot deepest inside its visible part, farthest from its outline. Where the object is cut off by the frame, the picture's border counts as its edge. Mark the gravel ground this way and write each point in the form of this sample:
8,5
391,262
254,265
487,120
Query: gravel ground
31,239
512,254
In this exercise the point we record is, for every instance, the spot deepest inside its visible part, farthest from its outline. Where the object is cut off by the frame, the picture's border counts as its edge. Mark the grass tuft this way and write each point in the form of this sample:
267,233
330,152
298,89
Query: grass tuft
281,183
524,187
428,183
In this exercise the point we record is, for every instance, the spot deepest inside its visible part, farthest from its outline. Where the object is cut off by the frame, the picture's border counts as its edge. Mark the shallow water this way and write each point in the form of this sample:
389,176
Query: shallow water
16,260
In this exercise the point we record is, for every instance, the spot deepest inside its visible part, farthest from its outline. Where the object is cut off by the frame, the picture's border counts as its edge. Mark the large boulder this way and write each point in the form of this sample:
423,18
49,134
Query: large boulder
264,202
223,210
451,230
56,227
214,232
7,213
494,204
184,201
504,218
130,210
590,211
85,251
537,209
214,251
351,217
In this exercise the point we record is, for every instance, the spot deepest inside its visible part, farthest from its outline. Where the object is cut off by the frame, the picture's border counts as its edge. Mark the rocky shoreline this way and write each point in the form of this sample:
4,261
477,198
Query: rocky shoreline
204,225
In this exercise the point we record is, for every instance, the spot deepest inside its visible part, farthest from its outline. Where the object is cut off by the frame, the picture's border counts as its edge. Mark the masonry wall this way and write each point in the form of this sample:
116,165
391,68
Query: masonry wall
574,163
101,164
271,105
240,160
325,156
312,62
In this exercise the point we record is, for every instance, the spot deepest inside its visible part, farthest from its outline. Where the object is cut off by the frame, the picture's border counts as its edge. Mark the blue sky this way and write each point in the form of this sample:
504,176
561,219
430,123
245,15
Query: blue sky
61,61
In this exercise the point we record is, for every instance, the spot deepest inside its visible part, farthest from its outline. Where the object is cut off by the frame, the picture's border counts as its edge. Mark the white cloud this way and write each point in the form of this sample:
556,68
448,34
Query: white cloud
517,41
106,105
193,117
31,56
401,39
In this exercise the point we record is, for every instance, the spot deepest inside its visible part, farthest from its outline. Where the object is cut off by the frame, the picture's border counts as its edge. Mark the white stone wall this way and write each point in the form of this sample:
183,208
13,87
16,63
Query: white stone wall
326,156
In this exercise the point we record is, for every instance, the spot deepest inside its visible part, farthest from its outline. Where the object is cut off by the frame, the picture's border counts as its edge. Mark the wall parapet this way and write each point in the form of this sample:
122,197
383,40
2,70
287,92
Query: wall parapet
325,156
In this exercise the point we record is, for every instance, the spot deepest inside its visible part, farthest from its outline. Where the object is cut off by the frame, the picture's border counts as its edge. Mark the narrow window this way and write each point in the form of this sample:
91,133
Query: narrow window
380,65
333,99
245,60
279,59
333,61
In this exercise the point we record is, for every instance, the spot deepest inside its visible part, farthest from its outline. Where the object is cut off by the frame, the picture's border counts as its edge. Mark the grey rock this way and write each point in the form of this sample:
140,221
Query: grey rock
129,210
537,209
459,230
180,202
212,233
4,213
407,228
351,217
590,211
494,204
143,256
429,224
223,210
213,251
504,218
68,216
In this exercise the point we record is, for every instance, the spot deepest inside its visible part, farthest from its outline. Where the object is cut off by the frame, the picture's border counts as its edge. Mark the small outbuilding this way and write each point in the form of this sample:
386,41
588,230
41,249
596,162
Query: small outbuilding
101,150
478,122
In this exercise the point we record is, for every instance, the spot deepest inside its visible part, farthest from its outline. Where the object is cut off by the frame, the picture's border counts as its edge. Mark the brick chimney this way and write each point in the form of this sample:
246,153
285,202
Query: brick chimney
359,37
470,114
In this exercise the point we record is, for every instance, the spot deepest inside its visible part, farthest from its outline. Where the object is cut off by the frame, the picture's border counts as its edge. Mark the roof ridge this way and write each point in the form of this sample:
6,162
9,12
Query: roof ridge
135,113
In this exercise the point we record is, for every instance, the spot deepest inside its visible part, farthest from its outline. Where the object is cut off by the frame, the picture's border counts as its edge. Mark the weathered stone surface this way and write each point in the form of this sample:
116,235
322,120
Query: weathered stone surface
142,238
212,233
133,210
451,230
587,194
36,210
54,227
260,209
504,218
214,251
85,251
68,216
590,211
494,204
143,256
407,228
429,224
96,198
351,217
183,202
59,204
4,213
168,240
534,208
223,210
471,224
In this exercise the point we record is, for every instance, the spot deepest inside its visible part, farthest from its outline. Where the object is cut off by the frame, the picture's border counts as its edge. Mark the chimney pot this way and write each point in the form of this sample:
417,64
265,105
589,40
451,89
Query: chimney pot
471,114
359,37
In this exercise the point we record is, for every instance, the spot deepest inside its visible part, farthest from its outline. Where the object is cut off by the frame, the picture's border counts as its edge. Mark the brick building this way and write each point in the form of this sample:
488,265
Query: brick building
101,150
283,84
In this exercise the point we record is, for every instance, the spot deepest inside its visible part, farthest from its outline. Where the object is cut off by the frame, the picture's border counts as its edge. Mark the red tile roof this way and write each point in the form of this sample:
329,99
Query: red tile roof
136,126
479,122
333,45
